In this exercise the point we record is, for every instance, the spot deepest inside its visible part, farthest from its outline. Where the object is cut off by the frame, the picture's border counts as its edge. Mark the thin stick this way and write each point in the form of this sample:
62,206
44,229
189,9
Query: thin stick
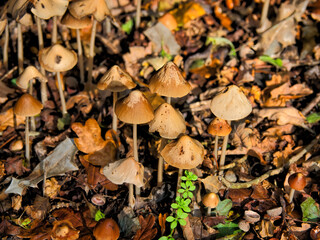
20,48
138,14
131,197
91,54
5,47
40,36
54,37
27,142
311,105
63,101
160,163
32,120
264,13
216,141
223,153
114,116
80,54
135,152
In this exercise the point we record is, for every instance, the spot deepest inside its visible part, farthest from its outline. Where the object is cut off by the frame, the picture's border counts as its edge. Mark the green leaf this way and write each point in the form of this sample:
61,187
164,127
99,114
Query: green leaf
14,81
182,222
187,202
183,215
310,210
127,26
163,238
25,223
178,199
186,209
183,185
185,194
65,120
183,178
226,229
166,55
224,207
171,238
174,224
181,190
220,41
190,194
192,188
174,205
170,219
99,215
313,118
197,64
275,62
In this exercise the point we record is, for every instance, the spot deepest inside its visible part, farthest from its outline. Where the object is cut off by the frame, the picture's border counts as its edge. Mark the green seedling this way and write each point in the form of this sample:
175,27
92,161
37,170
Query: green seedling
127,26
275,62
99,215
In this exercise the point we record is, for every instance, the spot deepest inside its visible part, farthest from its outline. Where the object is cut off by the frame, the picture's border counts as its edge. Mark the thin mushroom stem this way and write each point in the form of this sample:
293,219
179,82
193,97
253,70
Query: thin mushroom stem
6,46
27,142
209,211
160,163
223,150
138,14
131,197
20,48
91,54
32,120
107,26
291,195
169,100
54,37
39,29
114,117
80,54
179,180
135,151
216,143
63,101
264,13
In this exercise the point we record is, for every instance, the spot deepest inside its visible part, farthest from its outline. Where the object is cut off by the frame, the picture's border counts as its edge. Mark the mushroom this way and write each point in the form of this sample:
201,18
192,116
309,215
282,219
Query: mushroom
219,128
64,230
170,124
106,229
5,28
297,181
99,9
115,80
58,59
230,104
27,106
210,200
77,24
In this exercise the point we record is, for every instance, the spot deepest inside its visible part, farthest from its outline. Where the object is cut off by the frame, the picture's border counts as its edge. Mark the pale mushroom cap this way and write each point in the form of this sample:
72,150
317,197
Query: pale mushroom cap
219,127
134,109
74,23
125,170
168,122
297,181
27,106
116,80
26,20
15,8
28,74
57,58
46,9
98,8
231,104
211,200
169,82
184,153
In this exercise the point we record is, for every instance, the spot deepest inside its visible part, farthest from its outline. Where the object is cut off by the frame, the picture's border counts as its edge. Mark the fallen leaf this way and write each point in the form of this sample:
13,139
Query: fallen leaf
224,19
162,222
39,208
103,156
146,232
187,11
7,119
238,195
187,230
212,183
15,165
82,101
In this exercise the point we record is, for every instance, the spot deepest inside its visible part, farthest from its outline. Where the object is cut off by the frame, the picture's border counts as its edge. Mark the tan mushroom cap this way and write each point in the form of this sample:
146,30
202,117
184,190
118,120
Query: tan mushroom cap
219,127
74,23
26,20
116,80
46,9
134,109
125,170
184,153
211,200
297,181
57,58
17,8
168,122
27,106
231,104
169,82
28,74
98,8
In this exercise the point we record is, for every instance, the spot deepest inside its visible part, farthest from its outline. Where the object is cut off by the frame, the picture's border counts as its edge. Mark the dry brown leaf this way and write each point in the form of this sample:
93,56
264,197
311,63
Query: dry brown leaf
281,157
187,230
238,195
39,208
15,165
7,119
212,183
224,19
82,100
245,137
104,156
162,222
146,232
187,11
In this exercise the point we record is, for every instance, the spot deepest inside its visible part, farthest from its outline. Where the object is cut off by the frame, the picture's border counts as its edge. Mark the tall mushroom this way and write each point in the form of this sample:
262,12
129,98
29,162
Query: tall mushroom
58,59
115,80
297,182
230,104
27,106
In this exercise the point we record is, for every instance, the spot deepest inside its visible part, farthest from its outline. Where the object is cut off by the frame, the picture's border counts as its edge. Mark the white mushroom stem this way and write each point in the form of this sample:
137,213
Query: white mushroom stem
6,46
138,14
63,101
223,150
131,197
54,37
264,13
91,54
160,163
20,48
135,151
291,195
27,142
107,26
114,116
209,211
169,100
179,181
32,120
80,54
39,29
216,143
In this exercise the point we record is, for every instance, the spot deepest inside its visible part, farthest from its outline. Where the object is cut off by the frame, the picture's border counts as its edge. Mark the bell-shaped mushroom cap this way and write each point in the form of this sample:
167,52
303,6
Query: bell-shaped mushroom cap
46,9
169,82
27,106
116,80
211,200
125,170
28,74
231,104
134,109
297,181
98,8
184,153
219,127
74,23
26,20
57,58
168,122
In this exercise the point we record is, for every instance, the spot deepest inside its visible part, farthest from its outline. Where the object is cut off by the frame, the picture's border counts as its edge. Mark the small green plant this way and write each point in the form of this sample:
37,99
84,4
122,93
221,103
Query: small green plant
181,206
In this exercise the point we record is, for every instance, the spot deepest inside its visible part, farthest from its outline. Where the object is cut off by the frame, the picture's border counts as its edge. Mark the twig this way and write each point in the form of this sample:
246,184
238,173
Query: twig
9,140
235,163
8,73
311,105
271,172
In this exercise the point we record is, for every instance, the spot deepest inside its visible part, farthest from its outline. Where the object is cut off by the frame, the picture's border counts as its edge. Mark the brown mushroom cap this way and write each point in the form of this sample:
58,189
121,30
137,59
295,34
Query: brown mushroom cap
57,58
184,153
169,82
46,9
125,170
134,109
74,23
219,127
28,74
168,122
231,104
116,80
64,230
27,106
98,8
106,229
211,200
297,181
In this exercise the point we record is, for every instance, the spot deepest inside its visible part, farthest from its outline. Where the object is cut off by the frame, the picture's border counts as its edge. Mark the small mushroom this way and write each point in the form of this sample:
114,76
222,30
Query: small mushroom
63,230
210,200
106,229
297,181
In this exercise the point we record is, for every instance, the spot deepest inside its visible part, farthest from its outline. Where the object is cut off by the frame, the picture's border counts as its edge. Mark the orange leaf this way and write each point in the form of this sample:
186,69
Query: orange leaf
224,20
162,222
146,232
6,119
